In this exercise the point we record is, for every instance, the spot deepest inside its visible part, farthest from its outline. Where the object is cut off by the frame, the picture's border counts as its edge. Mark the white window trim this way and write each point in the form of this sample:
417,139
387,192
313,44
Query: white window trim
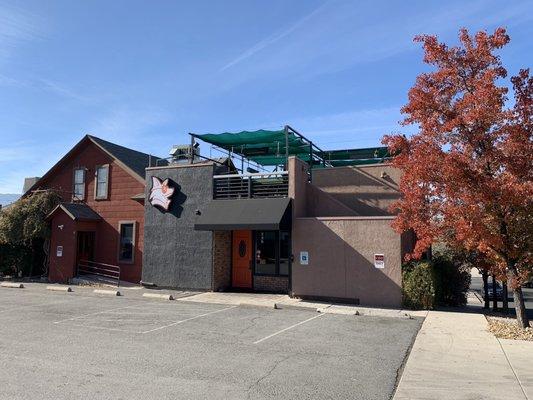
96,182
84,170
133,242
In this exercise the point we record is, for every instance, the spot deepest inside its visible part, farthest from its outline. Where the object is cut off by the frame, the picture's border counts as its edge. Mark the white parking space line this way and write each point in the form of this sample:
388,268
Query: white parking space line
88,315
286,329
102,328
188,319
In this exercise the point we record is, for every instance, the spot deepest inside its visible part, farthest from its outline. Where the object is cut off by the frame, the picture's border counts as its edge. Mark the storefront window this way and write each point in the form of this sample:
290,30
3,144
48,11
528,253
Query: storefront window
272,253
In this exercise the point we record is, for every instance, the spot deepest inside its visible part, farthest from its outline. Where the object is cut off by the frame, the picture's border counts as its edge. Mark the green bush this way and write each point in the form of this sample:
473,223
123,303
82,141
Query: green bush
441,282
418,286
23,231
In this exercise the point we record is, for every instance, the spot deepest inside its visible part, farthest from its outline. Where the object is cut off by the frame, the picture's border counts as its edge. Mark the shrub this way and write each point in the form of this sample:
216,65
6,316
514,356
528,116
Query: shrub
418,286
441,282
23,232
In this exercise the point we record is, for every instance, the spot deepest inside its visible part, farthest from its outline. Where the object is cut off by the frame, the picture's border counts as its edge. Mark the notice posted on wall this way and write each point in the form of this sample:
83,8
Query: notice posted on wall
379,261
59,251
304,258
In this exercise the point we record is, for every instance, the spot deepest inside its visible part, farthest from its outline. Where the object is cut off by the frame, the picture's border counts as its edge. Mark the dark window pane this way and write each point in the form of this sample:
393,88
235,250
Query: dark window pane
126,242
265,254
284,241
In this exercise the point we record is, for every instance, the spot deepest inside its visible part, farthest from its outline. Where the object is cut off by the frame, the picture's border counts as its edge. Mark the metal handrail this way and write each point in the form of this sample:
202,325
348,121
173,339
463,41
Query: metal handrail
108,271
255,174
253,185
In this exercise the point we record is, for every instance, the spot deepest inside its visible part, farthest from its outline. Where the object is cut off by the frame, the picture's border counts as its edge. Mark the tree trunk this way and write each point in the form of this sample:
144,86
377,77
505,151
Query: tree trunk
494,294
521,316
505,297
485,276
518,298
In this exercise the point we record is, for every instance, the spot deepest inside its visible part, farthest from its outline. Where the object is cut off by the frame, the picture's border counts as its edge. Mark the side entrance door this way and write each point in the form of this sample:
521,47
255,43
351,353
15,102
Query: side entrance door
242,259
85,250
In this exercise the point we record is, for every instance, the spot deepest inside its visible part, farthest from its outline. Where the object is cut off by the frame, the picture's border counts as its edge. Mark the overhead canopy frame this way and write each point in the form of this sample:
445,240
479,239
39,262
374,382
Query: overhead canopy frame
265,147
273,148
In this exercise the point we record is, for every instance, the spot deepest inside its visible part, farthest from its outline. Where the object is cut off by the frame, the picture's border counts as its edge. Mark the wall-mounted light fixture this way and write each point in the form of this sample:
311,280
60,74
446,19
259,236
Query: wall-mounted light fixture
61,227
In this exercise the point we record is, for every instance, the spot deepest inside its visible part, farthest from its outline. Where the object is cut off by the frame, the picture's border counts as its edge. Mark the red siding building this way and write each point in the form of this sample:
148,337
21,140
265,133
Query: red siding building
100,220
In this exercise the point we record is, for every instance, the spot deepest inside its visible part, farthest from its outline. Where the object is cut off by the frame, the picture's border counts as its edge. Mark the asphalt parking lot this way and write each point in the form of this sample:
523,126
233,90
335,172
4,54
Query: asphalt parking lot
76,345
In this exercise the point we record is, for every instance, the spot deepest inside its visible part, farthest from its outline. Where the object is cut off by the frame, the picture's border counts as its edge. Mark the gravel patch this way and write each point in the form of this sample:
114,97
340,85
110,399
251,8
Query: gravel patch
506,328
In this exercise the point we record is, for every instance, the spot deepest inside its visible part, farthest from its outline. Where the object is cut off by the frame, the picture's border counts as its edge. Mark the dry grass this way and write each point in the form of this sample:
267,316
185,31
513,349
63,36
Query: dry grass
506,328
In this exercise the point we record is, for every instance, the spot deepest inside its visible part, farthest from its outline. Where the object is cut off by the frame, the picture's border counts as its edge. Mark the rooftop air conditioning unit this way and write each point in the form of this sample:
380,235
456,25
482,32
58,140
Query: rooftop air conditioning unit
181,153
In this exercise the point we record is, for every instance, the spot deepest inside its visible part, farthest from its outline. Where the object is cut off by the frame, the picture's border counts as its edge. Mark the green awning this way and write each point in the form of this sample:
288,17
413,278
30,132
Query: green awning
262,146
348,157
270,148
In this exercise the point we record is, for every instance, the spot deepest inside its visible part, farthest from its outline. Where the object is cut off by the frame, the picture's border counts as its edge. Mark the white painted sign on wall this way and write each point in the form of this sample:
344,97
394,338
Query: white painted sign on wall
59,251
379,261
304,258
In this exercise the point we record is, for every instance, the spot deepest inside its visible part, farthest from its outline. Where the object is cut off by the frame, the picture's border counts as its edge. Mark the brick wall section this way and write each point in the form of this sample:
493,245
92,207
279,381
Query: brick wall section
221,260
118,207
274,284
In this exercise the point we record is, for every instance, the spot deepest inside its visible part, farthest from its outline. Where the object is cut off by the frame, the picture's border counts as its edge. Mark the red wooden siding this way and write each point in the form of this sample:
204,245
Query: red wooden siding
118,207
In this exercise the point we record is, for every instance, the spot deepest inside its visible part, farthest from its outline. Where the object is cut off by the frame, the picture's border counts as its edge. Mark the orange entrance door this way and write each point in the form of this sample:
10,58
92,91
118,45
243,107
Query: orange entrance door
242,259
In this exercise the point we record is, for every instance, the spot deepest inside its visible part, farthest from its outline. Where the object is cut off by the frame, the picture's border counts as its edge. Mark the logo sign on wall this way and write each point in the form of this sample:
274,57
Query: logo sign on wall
161,193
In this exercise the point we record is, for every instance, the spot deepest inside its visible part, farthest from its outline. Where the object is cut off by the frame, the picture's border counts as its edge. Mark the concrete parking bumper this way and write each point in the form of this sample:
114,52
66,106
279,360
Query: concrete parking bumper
13,285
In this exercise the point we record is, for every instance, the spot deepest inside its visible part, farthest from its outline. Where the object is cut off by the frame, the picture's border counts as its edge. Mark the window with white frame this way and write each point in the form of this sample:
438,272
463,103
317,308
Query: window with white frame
79,184
101,184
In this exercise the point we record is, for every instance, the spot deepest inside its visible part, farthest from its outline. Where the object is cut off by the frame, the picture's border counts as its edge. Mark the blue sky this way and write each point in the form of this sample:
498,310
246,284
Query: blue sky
143,74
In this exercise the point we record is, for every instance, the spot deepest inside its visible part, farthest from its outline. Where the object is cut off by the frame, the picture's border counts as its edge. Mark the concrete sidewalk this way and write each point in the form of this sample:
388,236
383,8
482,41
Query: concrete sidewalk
455,357
284,301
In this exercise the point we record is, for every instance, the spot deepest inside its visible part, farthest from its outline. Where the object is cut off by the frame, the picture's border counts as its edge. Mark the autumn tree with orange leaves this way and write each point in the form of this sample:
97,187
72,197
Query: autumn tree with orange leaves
467,172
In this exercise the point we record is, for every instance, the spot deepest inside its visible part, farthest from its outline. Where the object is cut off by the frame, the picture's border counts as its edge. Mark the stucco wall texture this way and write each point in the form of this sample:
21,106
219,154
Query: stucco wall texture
341,259
368,190
342,220
175,255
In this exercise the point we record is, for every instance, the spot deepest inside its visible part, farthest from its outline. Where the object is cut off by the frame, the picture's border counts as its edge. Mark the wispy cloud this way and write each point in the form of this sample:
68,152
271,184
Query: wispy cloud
16,26
342,34
357,128
30,157
130,125
272,39
46,85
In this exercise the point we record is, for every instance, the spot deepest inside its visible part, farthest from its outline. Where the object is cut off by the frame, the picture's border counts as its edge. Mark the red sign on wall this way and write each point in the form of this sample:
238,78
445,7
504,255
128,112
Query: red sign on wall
379,261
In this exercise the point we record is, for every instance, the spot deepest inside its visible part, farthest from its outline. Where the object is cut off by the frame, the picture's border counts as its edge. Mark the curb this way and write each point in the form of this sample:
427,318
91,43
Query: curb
158,296
107,292
281,306
59,288
12,285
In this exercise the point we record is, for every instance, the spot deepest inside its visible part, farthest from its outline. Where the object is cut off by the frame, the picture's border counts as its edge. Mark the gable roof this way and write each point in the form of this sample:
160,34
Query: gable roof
135,160
132,161
76,211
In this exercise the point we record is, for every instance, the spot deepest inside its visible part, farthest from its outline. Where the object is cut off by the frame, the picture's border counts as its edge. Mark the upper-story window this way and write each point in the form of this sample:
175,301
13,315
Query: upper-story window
79,184
102,180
